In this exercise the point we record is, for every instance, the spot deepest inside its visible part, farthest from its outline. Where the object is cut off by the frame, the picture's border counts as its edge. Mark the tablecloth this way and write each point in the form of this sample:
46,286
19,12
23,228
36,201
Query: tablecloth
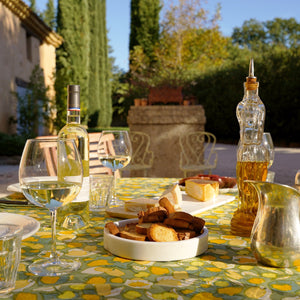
227,270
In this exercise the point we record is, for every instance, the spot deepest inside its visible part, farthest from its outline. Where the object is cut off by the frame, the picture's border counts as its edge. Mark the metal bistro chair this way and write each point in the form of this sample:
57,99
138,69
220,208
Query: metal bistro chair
142,157
197,152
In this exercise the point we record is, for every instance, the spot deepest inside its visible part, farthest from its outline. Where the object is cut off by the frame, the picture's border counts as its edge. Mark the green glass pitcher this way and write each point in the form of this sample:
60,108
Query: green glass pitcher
275,236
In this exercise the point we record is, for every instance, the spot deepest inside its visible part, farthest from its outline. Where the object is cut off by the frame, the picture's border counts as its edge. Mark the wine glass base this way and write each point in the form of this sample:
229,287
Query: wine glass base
53,267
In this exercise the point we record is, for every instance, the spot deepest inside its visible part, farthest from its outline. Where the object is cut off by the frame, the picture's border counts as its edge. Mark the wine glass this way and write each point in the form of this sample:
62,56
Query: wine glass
268,143
114,152
297,180
50,175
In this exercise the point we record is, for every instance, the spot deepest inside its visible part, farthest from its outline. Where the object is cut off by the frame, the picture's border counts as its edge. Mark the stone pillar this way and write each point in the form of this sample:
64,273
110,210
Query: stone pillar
165,124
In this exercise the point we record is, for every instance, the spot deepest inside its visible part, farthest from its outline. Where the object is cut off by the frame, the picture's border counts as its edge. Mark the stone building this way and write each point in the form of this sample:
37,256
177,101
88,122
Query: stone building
25,41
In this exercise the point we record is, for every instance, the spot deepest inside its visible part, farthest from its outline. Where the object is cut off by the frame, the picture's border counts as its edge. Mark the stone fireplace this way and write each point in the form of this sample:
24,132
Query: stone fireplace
165,124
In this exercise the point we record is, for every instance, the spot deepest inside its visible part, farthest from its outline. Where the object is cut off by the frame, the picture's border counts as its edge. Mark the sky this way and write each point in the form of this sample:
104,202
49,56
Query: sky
233,14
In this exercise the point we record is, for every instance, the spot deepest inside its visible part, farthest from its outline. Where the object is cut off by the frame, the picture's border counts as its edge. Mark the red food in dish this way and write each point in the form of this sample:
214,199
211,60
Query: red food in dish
224,181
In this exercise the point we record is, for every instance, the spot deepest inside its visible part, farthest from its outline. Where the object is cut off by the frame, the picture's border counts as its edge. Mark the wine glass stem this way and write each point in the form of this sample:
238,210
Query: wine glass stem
53,254
114,194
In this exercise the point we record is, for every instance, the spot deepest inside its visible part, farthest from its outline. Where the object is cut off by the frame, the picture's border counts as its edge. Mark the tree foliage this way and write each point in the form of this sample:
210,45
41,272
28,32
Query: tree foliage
259,35
144,25
100,104
72,57
35,109
49,15
188,43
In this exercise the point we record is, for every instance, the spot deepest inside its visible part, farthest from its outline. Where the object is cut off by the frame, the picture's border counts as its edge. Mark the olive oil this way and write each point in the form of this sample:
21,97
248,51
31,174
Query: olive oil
252,156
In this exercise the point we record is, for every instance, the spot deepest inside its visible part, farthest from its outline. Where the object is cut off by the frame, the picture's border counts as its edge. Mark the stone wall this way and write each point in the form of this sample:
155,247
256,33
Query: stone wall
165,124
26,41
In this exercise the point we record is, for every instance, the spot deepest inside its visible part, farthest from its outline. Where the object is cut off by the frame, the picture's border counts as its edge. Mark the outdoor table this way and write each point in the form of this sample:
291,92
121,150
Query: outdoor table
227,270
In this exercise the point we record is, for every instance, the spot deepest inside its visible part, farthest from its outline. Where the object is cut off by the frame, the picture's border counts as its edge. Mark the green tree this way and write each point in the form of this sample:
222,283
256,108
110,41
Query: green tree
33,5
34,108
100,104
144,25
188,43
284,32
258,36
49,15
72,57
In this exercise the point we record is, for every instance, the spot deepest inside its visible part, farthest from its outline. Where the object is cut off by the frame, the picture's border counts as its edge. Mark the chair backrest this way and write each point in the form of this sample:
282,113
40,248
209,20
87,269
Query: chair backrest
95,166
141,155
197,148
50,154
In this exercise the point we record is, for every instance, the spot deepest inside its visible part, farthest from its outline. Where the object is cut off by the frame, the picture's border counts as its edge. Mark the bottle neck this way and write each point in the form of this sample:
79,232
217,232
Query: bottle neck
250,93
73,116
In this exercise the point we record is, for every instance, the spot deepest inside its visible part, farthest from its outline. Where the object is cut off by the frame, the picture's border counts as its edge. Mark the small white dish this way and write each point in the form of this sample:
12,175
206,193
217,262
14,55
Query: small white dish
14,188
30,225
154,251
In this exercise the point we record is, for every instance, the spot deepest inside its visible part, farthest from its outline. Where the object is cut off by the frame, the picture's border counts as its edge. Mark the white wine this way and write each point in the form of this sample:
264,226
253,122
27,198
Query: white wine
115,162
78,210
51,194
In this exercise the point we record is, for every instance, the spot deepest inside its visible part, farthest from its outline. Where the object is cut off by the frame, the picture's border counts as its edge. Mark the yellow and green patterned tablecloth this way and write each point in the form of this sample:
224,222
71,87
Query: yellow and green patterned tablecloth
227,270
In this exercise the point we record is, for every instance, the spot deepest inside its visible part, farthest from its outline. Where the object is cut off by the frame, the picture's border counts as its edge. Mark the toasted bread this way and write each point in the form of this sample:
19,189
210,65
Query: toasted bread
161,233
133,235
175,223
174,195
142,228
181,215
185,234
166,203
153,215
112,228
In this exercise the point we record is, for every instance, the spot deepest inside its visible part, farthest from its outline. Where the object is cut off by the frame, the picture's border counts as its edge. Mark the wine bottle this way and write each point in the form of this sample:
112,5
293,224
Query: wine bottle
75,215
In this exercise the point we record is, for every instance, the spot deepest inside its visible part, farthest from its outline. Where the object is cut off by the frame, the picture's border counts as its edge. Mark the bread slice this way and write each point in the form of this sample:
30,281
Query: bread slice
166,203
136,205
133,235
176,223
112,228
162,233
185,234
174,195
202,190
181,215
152,215
142,228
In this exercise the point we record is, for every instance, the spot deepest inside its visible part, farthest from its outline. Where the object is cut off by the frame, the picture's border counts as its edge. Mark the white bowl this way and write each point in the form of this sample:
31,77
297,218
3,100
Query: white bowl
154,251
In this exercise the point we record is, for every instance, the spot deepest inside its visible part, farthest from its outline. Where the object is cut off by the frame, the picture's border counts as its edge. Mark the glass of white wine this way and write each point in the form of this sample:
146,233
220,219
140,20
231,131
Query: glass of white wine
268,143
50,175
114,152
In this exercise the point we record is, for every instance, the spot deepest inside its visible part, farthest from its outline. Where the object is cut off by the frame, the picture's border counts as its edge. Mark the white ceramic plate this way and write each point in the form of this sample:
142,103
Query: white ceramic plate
154,251
14,188
189,205
30,225
229,190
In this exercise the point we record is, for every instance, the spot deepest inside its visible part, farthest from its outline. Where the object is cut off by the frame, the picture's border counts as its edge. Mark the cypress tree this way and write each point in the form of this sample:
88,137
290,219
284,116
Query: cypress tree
100,104
144,25
49,14
72,57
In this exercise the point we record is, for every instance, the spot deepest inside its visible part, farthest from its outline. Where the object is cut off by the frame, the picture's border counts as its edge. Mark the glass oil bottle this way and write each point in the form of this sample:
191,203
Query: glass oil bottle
252,156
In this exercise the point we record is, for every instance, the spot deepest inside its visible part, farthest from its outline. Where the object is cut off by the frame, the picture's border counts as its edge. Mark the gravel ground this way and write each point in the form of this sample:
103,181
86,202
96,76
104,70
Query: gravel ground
286,164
